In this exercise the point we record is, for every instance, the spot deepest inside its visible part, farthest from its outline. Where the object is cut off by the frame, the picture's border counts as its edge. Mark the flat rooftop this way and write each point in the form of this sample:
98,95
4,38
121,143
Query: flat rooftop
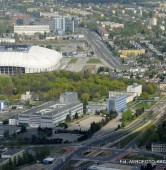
49,108
12,151
115,95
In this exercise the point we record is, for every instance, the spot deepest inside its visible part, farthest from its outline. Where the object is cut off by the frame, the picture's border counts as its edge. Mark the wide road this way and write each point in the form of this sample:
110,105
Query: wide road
102,50
104,139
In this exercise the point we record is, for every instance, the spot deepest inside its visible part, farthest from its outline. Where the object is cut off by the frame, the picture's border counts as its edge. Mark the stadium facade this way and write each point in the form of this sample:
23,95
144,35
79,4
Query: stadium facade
32,59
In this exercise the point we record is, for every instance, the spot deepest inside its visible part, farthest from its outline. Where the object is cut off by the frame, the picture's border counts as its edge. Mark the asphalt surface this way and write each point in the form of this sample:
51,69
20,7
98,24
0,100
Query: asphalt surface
102,50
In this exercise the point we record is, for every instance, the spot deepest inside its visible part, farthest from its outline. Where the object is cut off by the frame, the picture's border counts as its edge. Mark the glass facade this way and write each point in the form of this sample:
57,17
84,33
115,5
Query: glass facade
11,70
116,104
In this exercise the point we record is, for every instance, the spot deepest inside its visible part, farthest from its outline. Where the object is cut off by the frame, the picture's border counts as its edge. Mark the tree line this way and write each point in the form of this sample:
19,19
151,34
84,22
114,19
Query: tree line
50,85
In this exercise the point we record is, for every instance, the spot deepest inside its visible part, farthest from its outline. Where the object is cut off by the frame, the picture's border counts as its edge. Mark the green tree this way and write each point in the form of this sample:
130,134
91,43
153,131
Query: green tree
49,46
23,129
6,133
85,98
76,115
127,115
68,118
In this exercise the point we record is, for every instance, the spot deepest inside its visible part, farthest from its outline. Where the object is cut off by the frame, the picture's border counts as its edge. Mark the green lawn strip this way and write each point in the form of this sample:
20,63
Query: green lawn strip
93,61
73,61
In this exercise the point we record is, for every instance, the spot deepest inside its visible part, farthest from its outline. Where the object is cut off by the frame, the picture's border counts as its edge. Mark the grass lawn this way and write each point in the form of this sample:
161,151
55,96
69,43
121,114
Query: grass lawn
93,61
89,68
127,140
144,157
73,60
146,105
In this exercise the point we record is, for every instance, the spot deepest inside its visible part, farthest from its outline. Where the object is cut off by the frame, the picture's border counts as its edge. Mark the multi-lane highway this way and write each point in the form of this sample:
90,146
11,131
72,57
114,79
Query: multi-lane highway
104,139
102,50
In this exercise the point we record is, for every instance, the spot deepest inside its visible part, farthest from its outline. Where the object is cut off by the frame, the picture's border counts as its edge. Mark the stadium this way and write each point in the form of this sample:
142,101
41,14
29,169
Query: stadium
25,59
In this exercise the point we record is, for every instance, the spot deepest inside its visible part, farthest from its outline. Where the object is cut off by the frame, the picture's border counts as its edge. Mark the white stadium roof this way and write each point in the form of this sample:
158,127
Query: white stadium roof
35,58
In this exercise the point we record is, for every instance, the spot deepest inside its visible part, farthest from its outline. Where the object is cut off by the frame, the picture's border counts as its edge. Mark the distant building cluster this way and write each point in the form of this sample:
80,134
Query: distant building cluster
111,25
52,113
59,24
117,100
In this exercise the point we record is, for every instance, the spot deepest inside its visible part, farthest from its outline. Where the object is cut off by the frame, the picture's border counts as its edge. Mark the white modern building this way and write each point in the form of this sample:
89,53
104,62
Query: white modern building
135,88
31,29
26,96
52,113
12,121
34,59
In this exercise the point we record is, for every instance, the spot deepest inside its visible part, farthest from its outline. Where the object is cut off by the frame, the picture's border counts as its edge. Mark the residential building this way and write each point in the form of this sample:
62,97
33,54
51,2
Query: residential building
116,102
162,85
74,27
158,147
59,24
52,113
135,52
62,24
153,21
102,32
135,88
31,29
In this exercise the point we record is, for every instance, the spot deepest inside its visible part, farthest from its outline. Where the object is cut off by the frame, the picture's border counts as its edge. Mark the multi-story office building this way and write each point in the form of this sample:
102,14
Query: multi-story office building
52,113
116,102
62,24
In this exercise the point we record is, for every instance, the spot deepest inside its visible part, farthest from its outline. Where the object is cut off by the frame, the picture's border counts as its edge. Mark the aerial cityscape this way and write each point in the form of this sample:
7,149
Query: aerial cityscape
82,84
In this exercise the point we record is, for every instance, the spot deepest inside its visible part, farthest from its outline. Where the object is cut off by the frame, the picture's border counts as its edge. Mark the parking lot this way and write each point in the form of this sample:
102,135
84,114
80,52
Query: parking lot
85,123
